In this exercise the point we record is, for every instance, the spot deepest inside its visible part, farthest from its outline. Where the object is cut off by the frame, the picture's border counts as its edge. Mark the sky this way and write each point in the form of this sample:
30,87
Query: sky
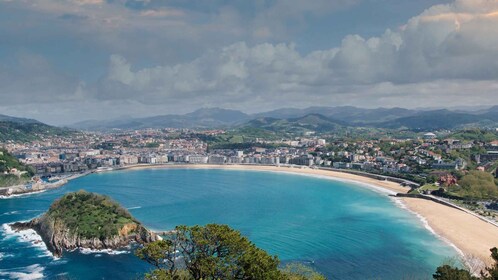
64,61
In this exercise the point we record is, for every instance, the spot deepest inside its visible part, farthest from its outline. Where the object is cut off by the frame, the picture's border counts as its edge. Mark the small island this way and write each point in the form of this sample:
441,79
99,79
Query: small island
87,220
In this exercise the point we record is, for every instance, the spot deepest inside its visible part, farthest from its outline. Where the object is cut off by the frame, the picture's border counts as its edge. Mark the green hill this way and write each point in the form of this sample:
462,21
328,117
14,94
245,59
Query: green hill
298,126
87,220
8,162
29,131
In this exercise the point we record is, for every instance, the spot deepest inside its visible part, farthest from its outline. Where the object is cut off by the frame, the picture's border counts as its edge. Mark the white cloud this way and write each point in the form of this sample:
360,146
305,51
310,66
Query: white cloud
446,55
431,49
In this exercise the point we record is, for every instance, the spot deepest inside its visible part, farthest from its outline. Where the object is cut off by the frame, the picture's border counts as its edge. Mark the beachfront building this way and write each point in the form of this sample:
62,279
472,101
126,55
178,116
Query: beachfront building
217,159
197,159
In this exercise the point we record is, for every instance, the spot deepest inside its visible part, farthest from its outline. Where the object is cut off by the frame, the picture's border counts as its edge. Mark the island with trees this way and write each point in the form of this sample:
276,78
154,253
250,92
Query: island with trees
87,220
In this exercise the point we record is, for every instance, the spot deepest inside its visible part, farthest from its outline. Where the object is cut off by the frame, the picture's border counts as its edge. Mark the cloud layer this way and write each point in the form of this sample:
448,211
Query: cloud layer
447,44
443,56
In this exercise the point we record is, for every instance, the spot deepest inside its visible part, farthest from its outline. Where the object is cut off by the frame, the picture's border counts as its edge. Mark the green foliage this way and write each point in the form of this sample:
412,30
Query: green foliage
7,162
90,215
476,134
447,272
297,271
161,254
152,145
12,180
491,273
210,252
219,252
476,185
26,132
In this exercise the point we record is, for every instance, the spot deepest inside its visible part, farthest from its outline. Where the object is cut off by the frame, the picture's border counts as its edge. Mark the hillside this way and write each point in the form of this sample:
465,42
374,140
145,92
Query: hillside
87,220
439,119
9,162
297,126
202,118
25,130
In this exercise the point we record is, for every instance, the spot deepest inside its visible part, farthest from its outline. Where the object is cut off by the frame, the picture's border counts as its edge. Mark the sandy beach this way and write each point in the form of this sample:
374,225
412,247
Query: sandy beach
472,236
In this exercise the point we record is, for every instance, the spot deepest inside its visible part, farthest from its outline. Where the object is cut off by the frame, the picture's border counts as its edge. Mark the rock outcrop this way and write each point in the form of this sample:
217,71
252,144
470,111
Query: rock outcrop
59,235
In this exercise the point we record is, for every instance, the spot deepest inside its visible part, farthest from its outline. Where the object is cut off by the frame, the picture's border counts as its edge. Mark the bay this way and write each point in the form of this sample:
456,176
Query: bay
343,230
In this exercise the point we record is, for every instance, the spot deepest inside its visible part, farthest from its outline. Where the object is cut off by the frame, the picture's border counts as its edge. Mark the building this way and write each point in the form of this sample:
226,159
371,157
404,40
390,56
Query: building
216,159
197,159
302,160
429,135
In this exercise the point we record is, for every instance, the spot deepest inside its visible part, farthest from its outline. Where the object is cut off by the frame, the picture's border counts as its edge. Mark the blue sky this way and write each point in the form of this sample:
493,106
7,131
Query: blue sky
62,61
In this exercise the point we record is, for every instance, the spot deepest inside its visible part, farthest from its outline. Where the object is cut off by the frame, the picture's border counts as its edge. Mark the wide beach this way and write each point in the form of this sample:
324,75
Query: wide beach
472,236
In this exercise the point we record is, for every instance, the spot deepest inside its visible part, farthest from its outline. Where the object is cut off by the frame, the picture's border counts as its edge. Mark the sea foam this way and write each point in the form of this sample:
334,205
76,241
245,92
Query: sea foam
28,236
34,271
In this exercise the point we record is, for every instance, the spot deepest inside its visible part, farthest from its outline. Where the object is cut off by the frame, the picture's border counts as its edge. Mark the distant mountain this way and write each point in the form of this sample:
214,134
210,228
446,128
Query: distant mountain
312,118
349,114
491,113
202,118
300,125
438,119
24,130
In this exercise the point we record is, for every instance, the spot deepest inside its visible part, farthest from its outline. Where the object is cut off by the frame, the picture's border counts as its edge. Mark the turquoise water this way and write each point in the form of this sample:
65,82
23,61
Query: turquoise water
343,230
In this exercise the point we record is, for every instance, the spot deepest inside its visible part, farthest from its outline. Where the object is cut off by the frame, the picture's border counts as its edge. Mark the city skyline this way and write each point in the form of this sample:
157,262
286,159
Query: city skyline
63,62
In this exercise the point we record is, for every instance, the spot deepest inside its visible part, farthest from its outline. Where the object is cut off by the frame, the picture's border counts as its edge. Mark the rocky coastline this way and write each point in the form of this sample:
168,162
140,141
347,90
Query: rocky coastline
59,239
59,236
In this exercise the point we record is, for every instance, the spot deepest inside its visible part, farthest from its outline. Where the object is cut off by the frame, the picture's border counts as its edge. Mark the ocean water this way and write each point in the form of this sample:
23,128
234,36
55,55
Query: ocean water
343,230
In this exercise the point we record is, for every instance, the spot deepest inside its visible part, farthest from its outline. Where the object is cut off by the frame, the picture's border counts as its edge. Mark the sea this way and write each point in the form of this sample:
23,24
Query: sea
342,229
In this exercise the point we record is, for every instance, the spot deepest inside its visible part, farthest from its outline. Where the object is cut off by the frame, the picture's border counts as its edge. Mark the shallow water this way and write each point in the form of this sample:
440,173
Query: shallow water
343,230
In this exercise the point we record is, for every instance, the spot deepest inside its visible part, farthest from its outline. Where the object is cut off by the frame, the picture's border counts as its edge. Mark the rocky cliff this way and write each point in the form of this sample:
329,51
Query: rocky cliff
86,220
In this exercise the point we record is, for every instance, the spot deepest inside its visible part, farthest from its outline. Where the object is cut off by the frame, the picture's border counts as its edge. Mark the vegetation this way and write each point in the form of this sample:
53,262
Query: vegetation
90,215
29,131
476,134
447,272
297,271
214,252
476,185
8,162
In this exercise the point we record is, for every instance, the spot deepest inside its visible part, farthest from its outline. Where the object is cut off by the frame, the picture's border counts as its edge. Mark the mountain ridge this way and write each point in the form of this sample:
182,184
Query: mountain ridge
341,116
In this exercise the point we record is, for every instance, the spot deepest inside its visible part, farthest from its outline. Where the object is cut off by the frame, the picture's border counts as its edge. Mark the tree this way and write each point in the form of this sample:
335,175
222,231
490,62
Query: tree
209,252
160,254
297,271
491,273
478,184
447,272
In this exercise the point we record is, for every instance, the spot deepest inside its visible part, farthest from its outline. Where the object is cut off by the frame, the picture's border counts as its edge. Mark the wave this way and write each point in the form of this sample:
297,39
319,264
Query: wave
18,212
34,271
21,194
28,236
5,255
99,252
9,213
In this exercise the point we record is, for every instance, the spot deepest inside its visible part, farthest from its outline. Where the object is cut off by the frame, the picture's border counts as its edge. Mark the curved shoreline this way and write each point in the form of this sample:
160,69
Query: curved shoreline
450,225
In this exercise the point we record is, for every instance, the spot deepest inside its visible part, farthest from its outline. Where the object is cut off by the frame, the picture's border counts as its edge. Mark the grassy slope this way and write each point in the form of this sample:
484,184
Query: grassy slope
90,215
7,162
